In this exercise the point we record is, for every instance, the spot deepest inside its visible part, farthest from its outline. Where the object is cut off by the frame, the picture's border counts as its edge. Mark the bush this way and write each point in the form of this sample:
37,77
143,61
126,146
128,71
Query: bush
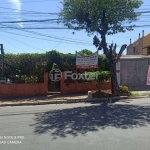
101,77
123,88
123,91
31,79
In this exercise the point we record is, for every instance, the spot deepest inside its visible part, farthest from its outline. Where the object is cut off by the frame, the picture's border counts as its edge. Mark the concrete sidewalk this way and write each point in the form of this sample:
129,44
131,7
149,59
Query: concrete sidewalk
54,99
41,100
61,98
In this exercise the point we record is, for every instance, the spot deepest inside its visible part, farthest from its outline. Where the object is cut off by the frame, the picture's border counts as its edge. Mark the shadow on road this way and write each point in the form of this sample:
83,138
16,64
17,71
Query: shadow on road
81,120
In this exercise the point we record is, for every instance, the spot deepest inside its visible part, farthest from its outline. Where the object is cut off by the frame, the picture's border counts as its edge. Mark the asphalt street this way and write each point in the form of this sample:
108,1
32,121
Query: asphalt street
122,125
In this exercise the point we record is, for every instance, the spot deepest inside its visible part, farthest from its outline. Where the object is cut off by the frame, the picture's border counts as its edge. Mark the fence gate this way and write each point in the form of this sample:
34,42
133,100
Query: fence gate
53,86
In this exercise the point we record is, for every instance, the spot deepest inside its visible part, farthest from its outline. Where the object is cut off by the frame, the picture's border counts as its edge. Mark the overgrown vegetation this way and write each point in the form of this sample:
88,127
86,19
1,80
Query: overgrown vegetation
25,68
30,68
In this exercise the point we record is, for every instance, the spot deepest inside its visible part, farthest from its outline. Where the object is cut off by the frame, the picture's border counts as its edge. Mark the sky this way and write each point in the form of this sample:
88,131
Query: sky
17,38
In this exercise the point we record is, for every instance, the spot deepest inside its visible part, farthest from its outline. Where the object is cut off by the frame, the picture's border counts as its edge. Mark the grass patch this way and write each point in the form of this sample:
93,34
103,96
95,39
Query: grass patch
134,95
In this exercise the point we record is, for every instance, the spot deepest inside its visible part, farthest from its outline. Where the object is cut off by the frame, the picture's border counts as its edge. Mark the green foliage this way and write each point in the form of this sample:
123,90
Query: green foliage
85,52
105,15
31,79
99,77
123,88
133,95
67,62
52,57
103,63
25,66
124,91
64,62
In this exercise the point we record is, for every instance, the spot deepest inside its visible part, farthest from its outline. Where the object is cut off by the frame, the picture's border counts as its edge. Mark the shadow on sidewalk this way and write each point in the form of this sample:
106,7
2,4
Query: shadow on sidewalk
44,97
81,120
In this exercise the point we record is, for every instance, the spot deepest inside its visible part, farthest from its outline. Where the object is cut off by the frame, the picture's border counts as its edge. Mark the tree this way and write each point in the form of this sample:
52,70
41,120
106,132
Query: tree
99,77
113,58
104,17
85,52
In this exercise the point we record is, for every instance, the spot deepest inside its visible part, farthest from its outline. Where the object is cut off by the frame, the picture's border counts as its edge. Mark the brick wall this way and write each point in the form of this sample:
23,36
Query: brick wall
22,90
32,89
80,87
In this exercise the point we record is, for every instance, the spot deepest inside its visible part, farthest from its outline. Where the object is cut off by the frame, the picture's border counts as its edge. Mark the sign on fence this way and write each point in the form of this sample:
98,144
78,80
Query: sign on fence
87,62
148,76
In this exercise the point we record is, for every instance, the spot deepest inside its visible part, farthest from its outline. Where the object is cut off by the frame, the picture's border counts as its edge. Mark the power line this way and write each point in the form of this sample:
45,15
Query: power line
35,12
50,20
24,43
10,51
75,40
42,20
9,42
32,1
58,12
61,40
63,28
51,40
40,34
7,51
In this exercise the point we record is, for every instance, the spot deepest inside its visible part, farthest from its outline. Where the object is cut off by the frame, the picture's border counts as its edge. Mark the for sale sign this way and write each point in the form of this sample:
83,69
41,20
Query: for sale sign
87,62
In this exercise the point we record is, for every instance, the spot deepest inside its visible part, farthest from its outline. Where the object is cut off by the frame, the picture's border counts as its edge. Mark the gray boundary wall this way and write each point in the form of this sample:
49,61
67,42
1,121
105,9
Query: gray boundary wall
133,72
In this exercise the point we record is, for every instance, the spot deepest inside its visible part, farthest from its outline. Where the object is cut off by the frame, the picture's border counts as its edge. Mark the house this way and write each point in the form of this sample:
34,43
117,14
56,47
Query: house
141,46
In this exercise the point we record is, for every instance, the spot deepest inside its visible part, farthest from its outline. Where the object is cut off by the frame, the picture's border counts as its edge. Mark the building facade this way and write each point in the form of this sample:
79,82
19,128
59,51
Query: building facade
133,72
141,46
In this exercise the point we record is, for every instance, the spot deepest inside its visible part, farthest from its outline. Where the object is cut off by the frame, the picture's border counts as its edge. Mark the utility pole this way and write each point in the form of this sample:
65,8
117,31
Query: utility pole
2,56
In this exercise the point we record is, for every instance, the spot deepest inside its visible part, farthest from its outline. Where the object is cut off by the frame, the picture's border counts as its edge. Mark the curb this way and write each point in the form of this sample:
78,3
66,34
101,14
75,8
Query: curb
67,101
139,97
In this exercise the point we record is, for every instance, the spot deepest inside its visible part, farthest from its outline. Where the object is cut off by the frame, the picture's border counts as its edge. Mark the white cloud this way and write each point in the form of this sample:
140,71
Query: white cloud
16,5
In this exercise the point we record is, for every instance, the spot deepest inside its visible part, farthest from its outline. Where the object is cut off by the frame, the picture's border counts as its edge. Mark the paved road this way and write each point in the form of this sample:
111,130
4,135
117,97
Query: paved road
117,126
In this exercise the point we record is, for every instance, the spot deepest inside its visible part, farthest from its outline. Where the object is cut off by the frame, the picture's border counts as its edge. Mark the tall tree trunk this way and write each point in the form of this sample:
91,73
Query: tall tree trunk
112,64
114,82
